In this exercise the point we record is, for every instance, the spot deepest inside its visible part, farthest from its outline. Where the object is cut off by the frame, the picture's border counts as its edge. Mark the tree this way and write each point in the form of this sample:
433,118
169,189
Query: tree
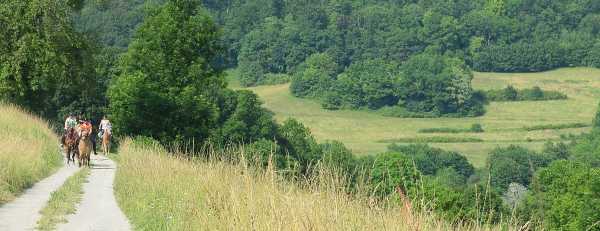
513,164
392,171
315,77
440,84
247,123
169,83
430,160
566,196
297,141
45,65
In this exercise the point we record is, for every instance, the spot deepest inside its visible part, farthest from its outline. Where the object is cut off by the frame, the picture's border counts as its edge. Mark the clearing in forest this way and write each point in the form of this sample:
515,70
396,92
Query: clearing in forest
504,123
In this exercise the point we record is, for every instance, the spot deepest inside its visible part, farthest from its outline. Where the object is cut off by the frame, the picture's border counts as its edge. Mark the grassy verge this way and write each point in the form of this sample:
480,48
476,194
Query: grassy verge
159,192
28,151
63,201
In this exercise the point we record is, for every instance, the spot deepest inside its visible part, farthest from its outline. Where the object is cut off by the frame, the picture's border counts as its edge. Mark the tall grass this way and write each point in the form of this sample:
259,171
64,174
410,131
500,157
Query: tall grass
28,151
160,192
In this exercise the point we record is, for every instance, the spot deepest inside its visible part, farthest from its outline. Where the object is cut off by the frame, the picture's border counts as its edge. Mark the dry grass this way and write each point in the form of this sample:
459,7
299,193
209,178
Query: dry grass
503,122
28,151
159,192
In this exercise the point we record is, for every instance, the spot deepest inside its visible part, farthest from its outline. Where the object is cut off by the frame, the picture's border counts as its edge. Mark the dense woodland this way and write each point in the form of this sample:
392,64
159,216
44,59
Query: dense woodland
158,69
365,55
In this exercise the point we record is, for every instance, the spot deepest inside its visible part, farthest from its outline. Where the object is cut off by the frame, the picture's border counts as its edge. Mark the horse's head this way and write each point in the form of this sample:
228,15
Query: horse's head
85,135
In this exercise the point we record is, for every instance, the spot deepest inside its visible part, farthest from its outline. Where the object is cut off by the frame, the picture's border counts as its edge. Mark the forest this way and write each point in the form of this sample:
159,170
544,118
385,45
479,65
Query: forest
158,69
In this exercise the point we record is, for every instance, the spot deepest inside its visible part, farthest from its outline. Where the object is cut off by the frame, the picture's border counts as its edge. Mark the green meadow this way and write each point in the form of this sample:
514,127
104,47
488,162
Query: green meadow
504,123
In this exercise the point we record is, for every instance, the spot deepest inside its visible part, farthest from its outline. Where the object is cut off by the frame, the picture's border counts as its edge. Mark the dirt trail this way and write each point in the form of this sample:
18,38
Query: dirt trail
98,209
23,213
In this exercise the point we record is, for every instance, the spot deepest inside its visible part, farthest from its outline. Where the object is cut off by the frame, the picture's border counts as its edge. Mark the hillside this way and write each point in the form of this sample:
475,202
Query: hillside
28,151
368,133
216,195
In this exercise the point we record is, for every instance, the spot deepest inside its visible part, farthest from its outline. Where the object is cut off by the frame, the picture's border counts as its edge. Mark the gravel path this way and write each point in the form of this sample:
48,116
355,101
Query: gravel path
98,209
23,213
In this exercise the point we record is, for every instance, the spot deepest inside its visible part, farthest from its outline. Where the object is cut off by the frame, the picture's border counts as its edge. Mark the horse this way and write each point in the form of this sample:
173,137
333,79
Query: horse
69,144
106,142
85,148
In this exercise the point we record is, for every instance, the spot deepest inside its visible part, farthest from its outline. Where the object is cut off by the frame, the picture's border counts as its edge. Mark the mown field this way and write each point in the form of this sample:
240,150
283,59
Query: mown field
367,132
28,151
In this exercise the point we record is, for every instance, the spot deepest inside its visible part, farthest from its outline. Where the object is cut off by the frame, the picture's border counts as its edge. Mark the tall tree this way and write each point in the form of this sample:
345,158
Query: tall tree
45,66
170,85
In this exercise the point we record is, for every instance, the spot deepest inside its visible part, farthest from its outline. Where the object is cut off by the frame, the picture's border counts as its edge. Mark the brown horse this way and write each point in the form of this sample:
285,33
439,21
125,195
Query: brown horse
106,142
70,144
85,148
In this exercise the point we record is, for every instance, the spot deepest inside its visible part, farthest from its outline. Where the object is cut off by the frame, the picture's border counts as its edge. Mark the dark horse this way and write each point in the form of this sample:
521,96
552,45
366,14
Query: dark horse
70,141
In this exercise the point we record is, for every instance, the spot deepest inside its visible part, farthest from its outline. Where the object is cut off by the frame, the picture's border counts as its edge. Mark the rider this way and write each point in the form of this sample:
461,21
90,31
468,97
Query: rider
105,126
85,125
70,123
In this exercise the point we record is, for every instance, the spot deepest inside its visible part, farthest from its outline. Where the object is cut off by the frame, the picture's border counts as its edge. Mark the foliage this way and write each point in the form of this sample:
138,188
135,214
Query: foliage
183,82
245,121
433,139
476,128
430,160
438,84
535,94
566,196
315,77
297,140
514,164
555,126
471,203
43,69
393,171
336,156
113,22
586,149
246,197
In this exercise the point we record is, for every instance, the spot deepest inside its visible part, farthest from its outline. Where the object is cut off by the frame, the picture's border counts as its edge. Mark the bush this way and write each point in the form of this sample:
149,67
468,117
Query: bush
534,94
262,151
522,56
393,171
586,149
431,160
514,164
274,79
555,126
433,139
567,197
476,128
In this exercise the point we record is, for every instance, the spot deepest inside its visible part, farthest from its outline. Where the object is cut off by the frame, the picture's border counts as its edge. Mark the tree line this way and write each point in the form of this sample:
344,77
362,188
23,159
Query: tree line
169,85
276,41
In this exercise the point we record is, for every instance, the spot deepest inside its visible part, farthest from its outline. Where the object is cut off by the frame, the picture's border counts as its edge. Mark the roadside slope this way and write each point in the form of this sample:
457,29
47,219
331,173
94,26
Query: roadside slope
28,151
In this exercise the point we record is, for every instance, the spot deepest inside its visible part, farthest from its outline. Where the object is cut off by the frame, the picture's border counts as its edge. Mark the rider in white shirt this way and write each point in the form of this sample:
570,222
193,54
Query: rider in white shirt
105,125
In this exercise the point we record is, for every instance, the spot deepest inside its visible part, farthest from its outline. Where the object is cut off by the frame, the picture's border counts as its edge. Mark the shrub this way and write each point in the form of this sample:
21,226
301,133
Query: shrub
567,197
431,160
534,94
514,164
433,139
476,128
555,126
392,171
